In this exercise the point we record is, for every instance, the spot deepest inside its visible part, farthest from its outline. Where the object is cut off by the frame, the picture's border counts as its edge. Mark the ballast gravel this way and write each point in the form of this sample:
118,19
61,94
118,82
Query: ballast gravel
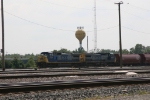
123,92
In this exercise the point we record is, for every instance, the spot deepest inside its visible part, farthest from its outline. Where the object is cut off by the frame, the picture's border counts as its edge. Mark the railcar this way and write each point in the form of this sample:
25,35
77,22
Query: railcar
129,59
47,59
145,59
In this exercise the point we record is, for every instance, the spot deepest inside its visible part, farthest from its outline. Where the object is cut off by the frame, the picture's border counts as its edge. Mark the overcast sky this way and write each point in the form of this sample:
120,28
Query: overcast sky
34,26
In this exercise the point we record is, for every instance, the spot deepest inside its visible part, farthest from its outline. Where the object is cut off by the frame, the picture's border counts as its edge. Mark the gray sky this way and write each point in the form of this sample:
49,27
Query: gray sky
33,26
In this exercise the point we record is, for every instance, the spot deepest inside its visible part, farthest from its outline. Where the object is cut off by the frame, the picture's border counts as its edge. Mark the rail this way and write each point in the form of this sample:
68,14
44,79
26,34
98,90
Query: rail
49,85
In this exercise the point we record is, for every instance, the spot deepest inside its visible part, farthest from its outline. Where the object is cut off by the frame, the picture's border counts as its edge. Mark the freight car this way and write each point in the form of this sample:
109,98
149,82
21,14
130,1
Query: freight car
128,59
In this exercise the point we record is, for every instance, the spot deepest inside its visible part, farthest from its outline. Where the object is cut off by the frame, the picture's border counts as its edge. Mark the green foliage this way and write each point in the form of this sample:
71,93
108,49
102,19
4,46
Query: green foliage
147,49
0,63
139,49
125,51
8,64
21,56
62,50
31,63
104,51
12,55
79,50
17,63
132,50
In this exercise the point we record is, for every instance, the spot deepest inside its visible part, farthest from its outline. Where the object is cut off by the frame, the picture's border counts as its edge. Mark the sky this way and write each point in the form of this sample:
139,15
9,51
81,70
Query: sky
34,26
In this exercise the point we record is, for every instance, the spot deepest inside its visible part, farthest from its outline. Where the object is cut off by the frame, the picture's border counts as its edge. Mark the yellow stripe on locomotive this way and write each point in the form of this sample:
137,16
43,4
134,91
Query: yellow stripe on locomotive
42,58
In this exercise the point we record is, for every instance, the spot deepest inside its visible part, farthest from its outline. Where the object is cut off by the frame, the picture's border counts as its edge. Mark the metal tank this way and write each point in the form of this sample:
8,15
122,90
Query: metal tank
145,59
80,34
129,59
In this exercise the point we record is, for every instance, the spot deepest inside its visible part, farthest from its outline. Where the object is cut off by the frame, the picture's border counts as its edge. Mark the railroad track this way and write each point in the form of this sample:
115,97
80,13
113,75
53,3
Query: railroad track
69,74
69,70
49,85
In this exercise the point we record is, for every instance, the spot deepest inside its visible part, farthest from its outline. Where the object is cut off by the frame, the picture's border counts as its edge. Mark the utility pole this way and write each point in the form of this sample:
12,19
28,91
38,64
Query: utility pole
3,50
120,44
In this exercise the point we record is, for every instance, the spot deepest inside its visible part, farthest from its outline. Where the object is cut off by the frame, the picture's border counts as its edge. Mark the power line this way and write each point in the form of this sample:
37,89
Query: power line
105,28
63,5
52,27
135,15
72,6
37,23
135,30
139,7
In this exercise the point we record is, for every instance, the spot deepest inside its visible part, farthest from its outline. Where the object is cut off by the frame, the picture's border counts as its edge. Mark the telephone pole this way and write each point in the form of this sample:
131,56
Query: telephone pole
3,52
120,44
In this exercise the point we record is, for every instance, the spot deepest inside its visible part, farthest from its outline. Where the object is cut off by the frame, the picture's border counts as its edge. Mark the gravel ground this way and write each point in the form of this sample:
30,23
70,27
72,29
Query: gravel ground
41,79
43,73
123,92
72,72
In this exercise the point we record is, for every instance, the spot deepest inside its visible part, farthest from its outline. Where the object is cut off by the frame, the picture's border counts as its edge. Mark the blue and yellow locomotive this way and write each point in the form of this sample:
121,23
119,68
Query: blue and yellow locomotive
48,59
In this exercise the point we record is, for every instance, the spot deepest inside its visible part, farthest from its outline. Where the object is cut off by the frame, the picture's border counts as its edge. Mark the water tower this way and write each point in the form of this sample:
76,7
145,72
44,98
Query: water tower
80,34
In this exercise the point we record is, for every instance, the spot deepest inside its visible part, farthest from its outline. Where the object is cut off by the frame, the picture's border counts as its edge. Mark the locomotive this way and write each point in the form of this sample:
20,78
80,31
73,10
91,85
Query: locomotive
48,59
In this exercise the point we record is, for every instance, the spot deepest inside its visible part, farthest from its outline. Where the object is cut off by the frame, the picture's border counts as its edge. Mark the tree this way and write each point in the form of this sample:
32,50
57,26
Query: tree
147,49
125,51
139,48
75,51
132,50
31,63
62,50
0,64
79,50
8,64
17,63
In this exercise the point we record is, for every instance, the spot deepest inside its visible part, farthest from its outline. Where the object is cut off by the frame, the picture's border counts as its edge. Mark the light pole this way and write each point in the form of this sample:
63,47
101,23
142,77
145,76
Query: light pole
120,44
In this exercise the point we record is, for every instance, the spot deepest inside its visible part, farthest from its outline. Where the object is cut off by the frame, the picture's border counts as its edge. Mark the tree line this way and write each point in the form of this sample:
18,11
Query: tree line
16,62
138,49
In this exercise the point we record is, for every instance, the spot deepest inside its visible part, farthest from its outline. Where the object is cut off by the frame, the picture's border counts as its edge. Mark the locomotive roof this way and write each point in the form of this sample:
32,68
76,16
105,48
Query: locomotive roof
45,52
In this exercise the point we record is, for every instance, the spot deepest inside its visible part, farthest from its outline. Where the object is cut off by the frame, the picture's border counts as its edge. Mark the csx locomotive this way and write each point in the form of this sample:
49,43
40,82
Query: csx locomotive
48,59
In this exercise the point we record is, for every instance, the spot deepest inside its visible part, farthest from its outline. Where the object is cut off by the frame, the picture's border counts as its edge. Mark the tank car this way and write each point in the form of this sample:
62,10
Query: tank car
145,59
128,59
